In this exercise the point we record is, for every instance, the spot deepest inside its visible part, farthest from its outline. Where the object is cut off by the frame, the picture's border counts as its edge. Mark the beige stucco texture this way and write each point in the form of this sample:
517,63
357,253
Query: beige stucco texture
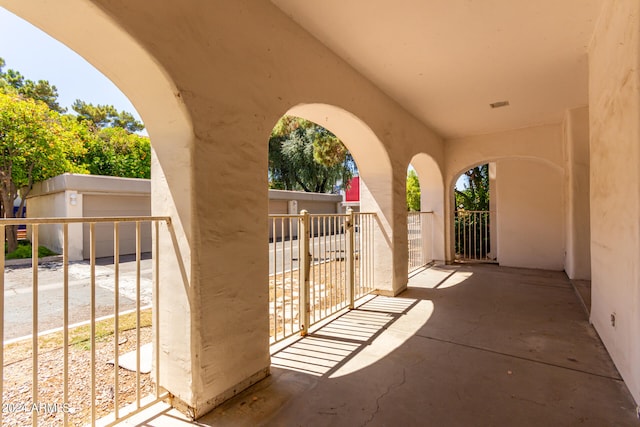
614,120
527,190
226,82
211,78
530,214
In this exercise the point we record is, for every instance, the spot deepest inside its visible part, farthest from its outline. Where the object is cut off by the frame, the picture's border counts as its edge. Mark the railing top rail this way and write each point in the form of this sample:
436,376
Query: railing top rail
466,211
61,220
327,215
318,215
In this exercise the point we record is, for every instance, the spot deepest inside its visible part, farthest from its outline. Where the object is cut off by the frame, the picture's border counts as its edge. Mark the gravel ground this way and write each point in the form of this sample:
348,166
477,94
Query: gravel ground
17,381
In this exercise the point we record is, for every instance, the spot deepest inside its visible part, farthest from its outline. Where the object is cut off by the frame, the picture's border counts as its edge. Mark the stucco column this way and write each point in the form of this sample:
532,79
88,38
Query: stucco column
171,190
576,140
384,196
431,200
449,208
375,196
214,338
493,211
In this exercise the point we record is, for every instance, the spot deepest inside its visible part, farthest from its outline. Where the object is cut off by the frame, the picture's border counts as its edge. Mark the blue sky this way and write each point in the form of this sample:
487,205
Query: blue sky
39,57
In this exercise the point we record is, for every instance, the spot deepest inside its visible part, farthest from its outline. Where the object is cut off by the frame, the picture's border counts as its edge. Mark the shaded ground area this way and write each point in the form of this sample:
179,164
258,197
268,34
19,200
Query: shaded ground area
465,345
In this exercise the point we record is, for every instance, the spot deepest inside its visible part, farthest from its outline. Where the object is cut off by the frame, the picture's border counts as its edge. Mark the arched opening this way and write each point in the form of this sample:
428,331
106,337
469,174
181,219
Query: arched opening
473,219
376,180
373,162
429,223
342,238
113,51
103,137
524,223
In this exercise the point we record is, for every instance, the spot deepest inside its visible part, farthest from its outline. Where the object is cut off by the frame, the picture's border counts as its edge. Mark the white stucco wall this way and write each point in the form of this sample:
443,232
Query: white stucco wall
58,204
614,118
106,204
577,211
210,91
538,144
530,214
76,196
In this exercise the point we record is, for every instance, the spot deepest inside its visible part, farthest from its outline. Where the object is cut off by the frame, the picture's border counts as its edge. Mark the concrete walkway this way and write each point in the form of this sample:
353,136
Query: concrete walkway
464,346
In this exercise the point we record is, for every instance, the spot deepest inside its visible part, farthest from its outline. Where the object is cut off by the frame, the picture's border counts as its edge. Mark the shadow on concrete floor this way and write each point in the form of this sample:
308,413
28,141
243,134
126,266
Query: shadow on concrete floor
464,345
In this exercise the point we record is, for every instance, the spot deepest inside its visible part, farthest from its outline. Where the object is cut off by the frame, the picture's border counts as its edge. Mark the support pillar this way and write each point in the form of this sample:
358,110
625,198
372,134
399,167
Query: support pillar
493,211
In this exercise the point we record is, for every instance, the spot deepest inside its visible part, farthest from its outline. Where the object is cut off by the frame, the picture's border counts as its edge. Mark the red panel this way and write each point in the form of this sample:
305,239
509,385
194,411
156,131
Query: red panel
353,191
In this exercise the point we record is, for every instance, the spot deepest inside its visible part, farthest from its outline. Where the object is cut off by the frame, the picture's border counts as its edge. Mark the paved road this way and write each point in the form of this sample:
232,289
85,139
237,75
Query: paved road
19,298
323,249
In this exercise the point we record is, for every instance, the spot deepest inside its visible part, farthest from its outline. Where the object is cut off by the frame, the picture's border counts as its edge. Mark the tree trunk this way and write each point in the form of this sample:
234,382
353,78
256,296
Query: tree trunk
12,238
12,230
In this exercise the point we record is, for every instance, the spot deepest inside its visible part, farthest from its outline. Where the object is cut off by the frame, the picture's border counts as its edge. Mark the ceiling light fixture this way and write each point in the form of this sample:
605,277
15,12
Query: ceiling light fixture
499,104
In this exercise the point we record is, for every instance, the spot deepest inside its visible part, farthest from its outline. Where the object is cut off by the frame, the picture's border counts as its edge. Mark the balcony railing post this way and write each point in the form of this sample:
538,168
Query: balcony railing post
34,336
304,240
2,239
97,380
350,257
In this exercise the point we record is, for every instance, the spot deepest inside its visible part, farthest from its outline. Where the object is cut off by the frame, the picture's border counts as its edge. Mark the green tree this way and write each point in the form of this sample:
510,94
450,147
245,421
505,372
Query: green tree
13,81
475,194
117,152
413,191
115,149
101,116
305,156
473,229
38,141
34,146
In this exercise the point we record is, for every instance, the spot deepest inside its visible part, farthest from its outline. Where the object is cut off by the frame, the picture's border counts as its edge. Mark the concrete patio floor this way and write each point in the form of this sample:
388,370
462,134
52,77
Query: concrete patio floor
463,346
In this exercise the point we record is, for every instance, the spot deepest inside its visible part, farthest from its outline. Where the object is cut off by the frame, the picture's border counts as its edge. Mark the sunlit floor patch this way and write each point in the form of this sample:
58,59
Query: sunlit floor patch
328,349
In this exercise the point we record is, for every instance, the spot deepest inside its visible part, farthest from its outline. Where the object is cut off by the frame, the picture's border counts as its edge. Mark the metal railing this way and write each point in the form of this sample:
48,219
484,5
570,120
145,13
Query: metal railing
472,235
318,265
82,390
419,239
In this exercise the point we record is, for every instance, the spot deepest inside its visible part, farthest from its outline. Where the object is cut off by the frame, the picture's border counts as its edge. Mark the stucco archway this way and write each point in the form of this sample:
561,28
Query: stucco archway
367,150
527,205
213,160
374,167
117,55
432,196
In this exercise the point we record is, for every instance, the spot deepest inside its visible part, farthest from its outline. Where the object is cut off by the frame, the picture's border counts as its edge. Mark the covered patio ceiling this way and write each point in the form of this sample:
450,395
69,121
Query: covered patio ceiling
445,61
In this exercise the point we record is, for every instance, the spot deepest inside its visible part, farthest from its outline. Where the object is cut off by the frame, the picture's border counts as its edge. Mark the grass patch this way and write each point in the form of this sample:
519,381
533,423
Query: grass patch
24,251
80,337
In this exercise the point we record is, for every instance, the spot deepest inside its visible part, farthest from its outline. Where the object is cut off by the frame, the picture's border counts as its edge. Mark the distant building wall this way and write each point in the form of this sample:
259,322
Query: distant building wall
116,205
283,202
79,196
315,203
